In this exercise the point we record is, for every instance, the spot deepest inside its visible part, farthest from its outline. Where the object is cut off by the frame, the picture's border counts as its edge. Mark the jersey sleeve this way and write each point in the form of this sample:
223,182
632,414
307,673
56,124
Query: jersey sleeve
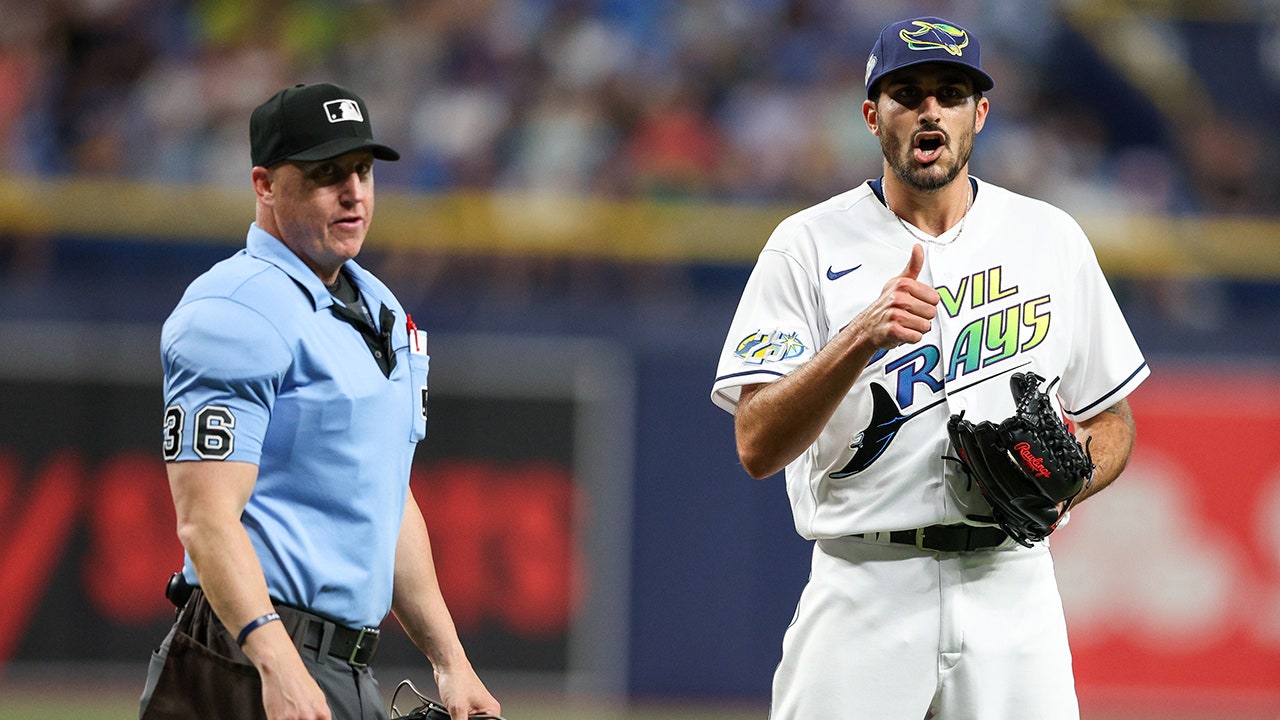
1106,363
223,366
775,328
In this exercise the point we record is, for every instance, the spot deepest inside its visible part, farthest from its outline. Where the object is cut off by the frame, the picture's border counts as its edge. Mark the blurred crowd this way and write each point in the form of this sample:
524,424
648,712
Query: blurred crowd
732,100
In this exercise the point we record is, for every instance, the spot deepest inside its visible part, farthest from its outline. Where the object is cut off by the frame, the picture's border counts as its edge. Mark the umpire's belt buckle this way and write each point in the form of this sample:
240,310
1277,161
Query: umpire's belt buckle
372,634
920,539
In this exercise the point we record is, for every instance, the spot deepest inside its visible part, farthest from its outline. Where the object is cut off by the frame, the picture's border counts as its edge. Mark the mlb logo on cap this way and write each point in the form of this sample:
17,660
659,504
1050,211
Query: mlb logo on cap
339,110
925,40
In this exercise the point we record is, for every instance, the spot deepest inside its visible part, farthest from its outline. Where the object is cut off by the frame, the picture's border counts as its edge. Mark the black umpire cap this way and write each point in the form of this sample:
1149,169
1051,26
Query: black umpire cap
312,122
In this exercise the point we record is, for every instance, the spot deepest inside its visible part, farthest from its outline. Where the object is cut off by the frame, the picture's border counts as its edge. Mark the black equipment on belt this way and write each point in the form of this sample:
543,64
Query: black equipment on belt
178,590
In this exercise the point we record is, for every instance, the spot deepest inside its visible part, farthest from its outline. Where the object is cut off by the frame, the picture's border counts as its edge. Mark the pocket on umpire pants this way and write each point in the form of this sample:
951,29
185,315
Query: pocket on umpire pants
196,682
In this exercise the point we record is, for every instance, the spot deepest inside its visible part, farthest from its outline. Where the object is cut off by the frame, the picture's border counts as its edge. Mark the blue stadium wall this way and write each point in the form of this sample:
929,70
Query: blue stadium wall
715,566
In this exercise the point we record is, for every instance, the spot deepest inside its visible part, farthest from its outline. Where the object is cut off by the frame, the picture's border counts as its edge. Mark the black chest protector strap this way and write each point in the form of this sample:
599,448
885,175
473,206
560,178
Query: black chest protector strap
352,310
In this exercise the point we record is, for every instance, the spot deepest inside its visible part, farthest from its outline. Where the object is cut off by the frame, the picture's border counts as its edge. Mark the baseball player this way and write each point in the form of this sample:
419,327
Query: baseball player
868,320
295,393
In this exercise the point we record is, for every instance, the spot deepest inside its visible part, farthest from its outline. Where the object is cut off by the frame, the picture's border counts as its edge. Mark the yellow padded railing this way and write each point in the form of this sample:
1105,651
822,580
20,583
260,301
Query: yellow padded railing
639,231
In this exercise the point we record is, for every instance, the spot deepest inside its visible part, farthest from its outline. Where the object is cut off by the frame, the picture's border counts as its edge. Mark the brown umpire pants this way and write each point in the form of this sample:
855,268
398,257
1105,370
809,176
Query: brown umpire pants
200,672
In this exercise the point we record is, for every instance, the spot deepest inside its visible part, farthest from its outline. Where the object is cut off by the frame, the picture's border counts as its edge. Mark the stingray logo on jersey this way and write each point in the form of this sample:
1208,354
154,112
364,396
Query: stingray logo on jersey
765,347
933,36
886,420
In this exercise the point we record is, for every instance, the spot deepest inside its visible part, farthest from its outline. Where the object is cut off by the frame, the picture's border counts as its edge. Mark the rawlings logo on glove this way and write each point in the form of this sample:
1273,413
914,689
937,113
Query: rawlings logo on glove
1030,468
1033,463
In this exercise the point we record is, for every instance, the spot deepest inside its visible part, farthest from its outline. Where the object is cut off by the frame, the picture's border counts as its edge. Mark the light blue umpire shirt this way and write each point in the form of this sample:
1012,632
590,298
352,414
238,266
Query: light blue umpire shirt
259,369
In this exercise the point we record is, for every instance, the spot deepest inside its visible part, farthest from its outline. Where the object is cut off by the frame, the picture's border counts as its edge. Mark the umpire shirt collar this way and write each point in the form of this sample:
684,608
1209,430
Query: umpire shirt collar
268,248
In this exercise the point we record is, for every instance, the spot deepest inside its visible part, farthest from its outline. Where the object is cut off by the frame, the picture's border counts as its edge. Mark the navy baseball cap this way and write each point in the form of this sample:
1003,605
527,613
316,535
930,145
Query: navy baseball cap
925,40
309,123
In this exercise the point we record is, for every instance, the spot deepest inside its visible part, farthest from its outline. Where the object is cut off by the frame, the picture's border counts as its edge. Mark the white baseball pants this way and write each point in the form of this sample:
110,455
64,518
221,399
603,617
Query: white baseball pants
891,632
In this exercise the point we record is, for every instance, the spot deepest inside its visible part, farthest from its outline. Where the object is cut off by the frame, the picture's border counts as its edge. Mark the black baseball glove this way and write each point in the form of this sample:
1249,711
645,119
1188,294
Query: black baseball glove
1029,467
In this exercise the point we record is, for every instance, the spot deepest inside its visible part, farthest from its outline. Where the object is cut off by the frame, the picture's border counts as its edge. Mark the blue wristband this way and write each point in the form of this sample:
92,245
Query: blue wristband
254,625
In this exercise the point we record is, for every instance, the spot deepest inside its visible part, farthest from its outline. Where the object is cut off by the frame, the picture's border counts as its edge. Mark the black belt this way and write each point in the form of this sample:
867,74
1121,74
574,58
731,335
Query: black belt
946,538
355,646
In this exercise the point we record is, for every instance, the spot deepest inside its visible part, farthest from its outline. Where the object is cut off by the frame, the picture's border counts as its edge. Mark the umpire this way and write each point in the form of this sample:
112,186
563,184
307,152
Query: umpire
295,394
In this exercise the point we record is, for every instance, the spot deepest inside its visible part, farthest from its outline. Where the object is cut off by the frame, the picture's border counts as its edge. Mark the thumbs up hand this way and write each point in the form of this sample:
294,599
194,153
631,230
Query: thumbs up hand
904,310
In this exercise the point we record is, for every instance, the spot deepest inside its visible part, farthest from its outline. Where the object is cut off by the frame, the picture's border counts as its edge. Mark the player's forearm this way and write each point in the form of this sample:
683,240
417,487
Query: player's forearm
420,608
228,572
208,499
1113,433
778,421
426,620
232,581
416,600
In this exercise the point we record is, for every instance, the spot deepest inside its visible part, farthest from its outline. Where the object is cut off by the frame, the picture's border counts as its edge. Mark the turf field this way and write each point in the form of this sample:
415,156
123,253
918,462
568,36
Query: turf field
87,700
25,705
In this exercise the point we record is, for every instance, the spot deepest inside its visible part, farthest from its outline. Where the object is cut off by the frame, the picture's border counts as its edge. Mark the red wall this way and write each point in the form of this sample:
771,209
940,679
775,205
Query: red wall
1171,577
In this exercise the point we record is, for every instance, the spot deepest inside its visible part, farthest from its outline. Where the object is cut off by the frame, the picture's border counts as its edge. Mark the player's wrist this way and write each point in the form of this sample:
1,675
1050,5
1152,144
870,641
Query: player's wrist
450,661
856,342
254,624
270,649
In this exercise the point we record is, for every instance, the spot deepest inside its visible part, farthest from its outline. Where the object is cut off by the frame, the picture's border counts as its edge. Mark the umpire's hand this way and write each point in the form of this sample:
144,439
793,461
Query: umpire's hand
288,690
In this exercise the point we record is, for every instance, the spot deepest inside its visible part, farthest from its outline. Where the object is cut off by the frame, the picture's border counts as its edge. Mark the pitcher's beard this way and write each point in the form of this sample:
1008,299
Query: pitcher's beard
923,178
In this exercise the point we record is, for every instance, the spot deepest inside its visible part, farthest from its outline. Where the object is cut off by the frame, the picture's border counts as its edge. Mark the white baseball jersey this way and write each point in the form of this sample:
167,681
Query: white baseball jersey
1021,291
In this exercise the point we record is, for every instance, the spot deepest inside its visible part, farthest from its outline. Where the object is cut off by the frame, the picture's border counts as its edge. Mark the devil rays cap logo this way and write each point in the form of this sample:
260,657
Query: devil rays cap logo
932,36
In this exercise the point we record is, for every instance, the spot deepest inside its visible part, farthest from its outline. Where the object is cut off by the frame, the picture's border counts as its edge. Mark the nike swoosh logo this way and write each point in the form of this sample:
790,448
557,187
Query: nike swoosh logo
833,275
